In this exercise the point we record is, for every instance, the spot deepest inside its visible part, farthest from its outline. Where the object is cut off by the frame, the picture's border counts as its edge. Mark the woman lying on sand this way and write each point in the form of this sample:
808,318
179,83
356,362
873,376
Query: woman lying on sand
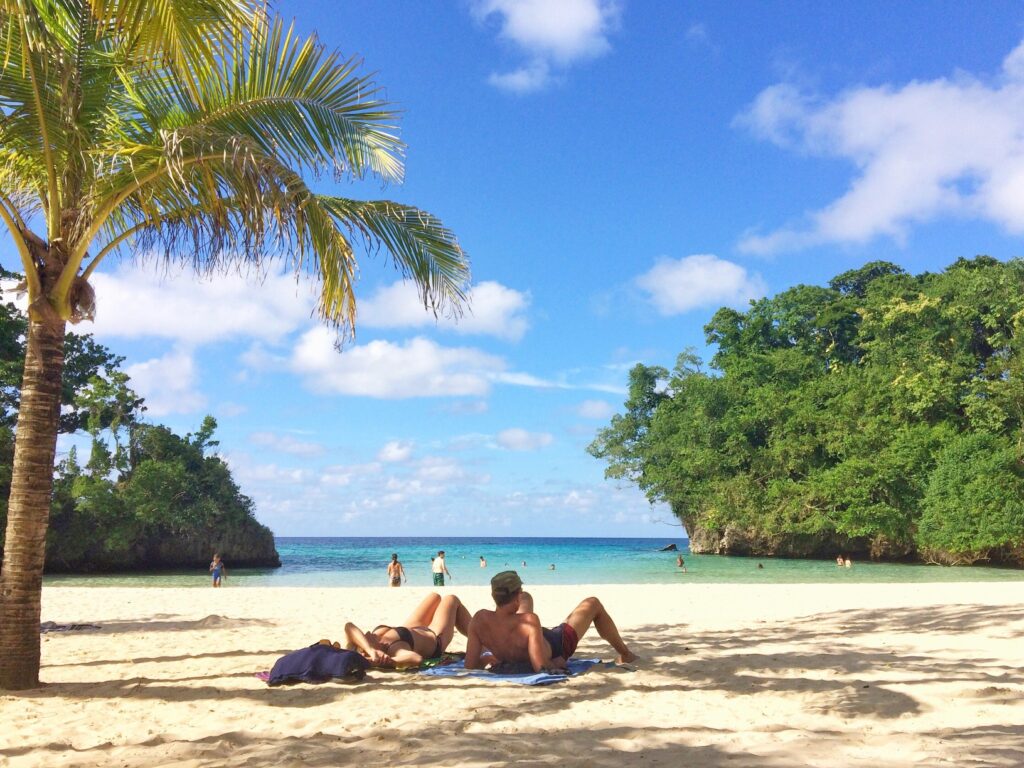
424,635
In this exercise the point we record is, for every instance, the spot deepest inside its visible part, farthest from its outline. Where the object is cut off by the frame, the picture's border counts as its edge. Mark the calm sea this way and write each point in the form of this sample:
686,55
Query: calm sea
361,562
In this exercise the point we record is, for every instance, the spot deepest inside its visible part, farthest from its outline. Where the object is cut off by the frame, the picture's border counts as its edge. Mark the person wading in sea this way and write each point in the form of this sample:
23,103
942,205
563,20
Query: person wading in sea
396,573
440,569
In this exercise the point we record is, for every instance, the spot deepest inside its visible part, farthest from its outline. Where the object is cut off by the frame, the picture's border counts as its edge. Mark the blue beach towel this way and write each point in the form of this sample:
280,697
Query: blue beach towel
458,669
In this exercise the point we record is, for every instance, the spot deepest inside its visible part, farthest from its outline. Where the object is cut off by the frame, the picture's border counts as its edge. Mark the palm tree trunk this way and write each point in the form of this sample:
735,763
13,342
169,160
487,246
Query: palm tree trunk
28,513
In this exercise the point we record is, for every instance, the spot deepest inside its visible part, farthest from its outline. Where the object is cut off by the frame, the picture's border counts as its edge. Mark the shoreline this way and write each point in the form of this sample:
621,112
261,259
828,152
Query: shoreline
731,674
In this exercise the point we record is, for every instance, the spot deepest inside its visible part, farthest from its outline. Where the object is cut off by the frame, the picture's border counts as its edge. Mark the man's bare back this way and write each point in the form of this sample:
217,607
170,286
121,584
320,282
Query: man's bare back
512,632
502,636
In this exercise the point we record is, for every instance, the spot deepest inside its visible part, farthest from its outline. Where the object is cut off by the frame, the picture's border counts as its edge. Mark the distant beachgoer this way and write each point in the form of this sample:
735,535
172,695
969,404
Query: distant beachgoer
524,563
425,634
761,567
680,563
551,567
483,563
218,570
439,569
510,634
839,561
396,573
848,563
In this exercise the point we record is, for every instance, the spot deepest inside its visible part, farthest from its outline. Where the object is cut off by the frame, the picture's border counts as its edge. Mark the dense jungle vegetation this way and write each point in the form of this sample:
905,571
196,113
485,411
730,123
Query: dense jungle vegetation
144,497
880,416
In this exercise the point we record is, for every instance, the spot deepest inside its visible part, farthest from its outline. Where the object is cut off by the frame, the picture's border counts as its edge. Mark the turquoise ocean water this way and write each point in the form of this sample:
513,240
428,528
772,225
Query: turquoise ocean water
361,562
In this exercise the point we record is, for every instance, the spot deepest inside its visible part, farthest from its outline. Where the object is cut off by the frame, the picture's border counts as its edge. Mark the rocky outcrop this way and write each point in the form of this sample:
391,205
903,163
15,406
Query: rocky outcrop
745,543
248,544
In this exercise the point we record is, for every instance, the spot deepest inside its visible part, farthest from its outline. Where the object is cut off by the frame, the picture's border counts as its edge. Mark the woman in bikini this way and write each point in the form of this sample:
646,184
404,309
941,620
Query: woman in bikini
424,635
396,573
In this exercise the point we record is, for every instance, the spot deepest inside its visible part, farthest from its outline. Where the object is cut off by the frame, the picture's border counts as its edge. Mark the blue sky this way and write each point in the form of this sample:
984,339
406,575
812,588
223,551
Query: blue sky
617,171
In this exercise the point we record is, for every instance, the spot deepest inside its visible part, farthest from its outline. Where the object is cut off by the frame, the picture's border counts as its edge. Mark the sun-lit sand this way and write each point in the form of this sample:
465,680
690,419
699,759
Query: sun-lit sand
872,675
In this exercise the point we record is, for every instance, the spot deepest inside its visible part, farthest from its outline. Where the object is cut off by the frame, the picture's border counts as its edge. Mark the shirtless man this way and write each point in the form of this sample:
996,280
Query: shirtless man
511,634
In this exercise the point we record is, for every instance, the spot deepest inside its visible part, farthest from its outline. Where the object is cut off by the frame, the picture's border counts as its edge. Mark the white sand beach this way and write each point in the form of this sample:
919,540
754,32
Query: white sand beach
738,675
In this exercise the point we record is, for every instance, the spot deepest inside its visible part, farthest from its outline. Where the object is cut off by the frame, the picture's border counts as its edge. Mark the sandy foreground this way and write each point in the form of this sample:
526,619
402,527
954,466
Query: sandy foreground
737,675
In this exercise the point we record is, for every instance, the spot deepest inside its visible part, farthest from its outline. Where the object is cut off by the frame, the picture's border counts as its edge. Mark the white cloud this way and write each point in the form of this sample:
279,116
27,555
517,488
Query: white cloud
534,77
467,407
167,383
286,444
395,451
249,473
676,286
340,475
599,410
138,302
520,440
924,149
550,34
416,368
492,310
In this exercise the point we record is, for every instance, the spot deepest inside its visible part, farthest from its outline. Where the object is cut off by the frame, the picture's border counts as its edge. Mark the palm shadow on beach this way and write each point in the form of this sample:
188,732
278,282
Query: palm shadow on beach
830,664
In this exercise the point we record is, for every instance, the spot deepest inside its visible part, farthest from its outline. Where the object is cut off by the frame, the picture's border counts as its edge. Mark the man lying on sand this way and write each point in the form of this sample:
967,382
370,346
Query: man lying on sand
514,635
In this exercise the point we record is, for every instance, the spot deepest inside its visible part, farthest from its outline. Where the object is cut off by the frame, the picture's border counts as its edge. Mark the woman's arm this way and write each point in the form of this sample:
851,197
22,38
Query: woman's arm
404,658
356,637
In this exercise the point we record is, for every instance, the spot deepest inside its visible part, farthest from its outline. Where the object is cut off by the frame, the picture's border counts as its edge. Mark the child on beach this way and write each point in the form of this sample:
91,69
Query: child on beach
218,570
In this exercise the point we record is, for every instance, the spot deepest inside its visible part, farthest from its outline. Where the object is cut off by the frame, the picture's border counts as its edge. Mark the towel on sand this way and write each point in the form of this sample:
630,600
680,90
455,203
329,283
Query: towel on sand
576,667
317,664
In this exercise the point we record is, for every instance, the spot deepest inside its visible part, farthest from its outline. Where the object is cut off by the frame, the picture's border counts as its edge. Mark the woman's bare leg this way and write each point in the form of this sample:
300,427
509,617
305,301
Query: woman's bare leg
450,615
424,613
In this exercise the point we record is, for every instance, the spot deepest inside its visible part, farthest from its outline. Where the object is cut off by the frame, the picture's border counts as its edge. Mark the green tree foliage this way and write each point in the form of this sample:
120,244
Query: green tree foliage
141,485
882,415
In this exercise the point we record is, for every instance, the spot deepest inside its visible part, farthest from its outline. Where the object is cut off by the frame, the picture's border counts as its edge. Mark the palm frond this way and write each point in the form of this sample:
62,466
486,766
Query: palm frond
421,246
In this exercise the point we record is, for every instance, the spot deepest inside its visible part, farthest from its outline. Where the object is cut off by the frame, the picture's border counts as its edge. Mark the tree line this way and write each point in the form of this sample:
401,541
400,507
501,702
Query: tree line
881,415
143,496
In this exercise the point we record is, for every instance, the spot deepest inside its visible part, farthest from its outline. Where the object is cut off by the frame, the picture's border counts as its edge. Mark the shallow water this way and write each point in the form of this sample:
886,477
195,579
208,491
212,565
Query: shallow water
361,562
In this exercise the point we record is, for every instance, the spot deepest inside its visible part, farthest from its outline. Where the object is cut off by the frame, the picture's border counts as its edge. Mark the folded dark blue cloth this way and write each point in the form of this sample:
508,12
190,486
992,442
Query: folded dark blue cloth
317,664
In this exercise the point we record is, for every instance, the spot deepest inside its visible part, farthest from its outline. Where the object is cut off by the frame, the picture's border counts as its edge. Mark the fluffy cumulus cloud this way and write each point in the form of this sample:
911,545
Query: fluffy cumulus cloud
492,310
924,149
676,286
139,302
395,451
382,369
552,35
516,439
167,383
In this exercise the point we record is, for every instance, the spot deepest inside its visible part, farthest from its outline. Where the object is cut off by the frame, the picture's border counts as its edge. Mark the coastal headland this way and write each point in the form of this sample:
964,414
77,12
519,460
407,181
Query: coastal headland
732,674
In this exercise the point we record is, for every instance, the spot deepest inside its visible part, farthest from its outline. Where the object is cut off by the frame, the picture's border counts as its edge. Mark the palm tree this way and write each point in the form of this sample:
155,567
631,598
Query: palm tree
185,130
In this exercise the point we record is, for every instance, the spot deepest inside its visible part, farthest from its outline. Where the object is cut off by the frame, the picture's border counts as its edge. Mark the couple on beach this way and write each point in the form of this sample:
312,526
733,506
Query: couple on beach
509,635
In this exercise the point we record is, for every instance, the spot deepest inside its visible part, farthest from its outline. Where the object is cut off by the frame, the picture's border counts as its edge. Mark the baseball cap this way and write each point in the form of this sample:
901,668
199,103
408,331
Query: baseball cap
505,583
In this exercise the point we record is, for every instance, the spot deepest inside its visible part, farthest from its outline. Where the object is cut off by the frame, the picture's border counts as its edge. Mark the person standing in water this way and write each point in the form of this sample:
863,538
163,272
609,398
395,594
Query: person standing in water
483,563
440,569
218,570
396,573
680,563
